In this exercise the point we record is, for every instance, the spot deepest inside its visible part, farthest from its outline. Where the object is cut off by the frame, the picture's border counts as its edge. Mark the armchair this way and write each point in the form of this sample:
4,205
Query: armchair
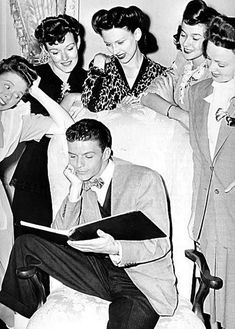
169,153
66,307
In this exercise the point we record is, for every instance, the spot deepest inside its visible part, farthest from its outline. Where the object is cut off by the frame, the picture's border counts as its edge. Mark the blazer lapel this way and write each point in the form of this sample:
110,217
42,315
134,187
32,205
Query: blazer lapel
201,123
116,190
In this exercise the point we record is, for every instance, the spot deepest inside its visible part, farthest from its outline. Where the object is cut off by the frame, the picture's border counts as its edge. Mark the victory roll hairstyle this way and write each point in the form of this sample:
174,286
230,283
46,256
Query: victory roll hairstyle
196,12
221,32
54,28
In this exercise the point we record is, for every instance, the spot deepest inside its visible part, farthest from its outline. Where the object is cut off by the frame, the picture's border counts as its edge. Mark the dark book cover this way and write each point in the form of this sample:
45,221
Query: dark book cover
127,226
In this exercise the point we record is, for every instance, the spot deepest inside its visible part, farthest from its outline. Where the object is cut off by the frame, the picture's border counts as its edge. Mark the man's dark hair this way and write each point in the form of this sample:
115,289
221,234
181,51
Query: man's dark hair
90,129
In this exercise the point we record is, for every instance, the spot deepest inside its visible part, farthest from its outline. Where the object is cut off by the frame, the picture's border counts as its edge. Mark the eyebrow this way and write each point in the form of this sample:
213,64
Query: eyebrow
9,81
199,34
90,152
71,43
118,40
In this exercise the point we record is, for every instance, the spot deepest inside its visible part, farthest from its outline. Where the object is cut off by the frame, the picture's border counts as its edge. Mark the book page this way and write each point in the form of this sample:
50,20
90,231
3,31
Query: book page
45,228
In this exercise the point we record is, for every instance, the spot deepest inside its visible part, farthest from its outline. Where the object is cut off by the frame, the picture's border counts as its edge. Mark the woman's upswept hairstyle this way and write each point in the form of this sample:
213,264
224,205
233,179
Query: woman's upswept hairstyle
196,12
221,32
90,129
20,66
130,18
54,28
118,17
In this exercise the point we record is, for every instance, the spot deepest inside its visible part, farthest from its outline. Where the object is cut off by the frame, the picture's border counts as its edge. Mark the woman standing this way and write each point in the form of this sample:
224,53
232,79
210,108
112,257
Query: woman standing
127,72
212,133
166,95
60,38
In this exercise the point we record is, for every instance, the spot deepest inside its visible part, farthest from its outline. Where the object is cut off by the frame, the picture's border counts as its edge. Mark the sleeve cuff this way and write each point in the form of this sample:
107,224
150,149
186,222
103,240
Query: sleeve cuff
116,259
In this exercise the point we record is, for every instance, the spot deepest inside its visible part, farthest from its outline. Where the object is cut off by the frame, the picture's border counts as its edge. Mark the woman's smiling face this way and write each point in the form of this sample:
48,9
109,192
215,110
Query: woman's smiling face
191,40
64,55
12,88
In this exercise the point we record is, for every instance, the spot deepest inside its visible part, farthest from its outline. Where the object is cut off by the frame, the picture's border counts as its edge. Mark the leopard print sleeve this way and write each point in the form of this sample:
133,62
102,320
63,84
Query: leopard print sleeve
103,90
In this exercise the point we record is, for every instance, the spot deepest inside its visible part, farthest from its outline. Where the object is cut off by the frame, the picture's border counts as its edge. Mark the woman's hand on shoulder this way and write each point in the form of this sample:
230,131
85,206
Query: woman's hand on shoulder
100,60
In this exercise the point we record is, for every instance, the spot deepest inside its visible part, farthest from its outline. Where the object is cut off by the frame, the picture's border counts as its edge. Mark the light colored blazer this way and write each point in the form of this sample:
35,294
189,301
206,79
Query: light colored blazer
212,175
148,262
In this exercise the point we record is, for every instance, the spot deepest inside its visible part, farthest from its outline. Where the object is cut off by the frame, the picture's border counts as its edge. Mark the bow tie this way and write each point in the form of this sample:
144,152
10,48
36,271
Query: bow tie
220,114
97,182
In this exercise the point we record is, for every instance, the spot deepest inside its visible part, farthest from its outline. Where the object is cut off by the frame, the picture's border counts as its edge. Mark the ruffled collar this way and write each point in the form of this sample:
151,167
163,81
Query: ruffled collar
191,75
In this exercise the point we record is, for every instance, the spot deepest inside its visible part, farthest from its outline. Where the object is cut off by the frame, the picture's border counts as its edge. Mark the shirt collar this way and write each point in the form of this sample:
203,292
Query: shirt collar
107,176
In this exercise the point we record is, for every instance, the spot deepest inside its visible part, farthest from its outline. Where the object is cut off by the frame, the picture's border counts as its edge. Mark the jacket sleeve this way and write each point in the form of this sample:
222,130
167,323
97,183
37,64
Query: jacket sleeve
68,215
99,92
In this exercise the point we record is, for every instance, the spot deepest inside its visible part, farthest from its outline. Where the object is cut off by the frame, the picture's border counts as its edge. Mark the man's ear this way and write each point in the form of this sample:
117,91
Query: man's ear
138,34
107,153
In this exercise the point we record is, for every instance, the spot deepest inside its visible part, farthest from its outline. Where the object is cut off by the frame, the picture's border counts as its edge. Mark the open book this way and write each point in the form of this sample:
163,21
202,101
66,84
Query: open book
127,226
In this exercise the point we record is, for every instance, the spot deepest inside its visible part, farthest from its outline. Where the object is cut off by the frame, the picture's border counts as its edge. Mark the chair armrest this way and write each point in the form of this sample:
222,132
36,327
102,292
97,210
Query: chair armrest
197,257
207,281
32,273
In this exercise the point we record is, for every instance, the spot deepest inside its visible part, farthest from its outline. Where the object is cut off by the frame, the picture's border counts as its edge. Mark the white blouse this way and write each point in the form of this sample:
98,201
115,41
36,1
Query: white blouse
220,98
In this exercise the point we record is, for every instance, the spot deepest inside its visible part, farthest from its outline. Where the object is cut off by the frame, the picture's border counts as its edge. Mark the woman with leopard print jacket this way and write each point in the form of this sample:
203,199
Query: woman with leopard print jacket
125,74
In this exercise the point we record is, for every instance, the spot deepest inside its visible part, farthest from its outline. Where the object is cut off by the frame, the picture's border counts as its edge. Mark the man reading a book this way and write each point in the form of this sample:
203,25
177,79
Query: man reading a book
137,277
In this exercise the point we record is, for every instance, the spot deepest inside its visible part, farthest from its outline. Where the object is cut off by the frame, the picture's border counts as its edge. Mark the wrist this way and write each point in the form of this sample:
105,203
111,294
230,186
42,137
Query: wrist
142,97
169,110
115,251
35,91
74,194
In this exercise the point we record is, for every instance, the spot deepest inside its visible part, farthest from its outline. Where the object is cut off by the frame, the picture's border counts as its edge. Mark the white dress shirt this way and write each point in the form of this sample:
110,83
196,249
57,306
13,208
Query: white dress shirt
107,176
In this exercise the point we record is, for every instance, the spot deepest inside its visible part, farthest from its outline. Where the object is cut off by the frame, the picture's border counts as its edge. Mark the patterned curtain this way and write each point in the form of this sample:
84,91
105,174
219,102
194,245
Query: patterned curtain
28,14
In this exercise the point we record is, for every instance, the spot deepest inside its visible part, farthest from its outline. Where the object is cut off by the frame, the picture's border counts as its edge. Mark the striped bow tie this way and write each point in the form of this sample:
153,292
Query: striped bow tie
97,182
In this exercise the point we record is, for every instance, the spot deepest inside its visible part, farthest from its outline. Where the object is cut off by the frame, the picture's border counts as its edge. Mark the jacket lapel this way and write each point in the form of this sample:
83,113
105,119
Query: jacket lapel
201,123
117,189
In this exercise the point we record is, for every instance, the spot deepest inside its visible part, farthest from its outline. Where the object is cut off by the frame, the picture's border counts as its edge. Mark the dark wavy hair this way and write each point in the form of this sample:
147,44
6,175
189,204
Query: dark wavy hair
196,12
20,66
54,28
90,129
119,17
221,32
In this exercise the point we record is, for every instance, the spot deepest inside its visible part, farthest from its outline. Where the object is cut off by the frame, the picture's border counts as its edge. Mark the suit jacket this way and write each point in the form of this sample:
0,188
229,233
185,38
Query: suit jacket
213,208
148,263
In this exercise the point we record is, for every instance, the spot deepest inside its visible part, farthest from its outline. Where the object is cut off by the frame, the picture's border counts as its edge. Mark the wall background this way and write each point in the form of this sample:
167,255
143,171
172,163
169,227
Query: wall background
164,15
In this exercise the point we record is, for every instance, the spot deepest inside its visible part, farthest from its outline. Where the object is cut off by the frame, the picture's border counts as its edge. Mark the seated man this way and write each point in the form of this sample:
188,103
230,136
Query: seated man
137,277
